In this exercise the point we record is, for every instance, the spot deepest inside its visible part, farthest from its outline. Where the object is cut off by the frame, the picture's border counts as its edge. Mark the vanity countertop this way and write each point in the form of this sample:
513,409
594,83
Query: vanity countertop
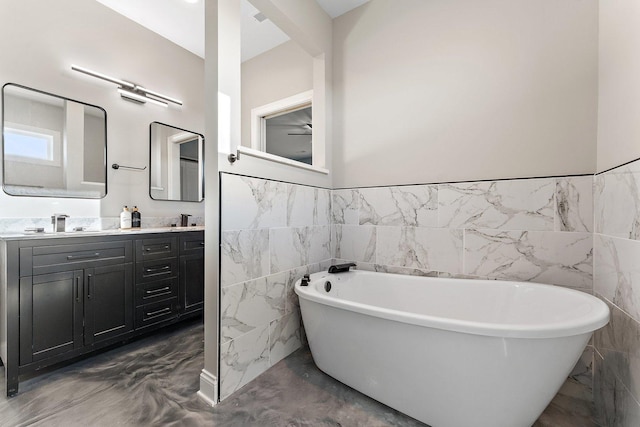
26,235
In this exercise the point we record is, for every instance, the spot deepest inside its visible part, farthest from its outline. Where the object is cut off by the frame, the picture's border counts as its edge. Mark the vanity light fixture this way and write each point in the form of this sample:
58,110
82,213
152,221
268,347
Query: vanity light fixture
131,91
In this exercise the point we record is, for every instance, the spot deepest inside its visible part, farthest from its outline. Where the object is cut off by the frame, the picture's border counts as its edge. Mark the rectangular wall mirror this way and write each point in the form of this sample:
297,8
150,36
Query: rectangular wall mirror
52,146
176,169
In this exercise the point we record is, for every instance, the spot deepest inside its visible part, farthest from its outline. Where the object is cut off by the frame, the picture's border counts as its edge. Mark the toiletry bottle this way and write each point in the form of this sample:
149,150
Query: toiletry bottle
136,218
125,218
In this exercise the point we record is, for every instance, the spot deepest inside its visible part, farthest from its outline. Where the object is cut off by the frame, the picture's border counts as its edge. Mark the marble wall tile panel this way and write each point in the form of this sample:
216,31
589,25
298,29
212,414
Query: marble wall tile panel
355,243
243,359
284,336
244,255
322,206
413,205
345,207
295,247
301,204
617,272
574,204
615,406
288,279
619,343
249,203
395,270
545,257
248,305
617,202
526,204
436,249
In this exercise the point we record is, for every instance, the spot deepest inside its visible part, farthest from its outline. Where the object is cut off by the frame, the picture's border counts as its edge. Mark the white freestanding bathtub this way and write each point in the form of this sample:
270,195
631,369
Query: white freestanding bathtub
449,352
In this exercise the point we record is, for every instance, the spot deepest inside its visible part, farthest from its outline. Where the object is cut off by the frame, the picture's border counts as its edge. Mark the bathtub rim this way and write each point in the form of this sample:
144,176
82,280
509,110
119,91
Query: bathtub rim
598,318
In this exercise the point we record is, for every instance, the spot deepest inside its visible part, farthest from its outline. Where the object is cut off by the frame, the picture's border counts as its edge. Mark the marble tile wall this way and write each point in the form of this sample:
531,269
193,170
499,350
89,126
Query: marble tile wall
617,281
272,233
536,230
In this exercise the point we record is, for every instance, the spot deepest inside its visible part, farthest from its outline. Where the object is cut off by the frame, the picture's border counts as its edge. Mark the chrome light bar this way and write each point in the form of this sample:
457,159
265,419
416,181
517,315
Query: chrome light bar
131,91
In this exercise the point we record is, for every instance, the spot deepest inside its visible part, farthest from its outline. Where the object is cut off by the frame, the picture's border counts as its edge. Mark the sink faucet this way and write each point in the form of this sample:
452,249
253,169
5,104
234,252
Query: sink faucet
58,221
184,220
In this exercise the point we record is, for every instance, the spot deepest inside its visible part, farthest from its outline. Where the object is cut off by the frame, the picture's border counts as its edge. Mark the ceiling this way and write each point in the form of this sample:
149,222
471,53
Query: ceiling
182,22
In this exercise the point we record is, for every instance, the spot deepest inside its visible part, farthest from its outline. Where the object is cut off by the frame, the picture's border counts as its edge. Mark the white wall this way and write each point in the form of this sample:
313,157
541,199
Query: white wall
619,85
440,90
281,72
40,40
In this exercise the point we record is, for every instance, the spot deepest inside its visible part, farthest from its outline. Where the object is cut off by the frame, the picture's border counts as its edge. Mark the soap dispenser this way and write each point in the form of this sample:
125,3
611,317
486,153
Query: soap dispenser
136,218
125,218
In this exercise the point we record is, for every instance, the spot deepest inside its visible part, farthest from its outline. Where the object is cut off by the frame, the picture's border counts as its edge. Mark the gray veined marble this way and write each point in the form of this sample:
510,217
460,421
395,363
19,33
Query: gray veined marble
574,204
322,207
295,247
301,202
345,207
285,336
244,255
413,205
248,305
617,202
617,272
354,243
615,405
545,257
506,205
438,249
250,203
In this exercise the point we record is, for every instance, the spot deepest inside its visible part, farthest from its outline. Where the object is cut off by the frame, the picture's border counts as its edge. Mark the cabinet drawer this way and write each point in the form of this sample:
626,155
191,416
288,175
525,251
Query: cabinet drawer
162,247
192,243
150,271
149,314
54,258
156,291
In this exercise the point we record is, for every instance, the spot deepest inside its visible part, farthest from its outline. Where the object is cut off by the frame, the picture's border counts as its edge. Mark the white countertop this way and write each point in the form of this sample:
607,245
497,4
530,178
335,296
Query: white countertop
88,233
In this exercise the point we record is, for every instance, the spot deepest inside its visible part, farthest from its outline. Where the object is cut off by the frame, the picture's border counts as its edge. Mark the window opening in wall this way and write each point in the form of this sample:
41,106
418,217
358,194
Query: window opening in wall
39,146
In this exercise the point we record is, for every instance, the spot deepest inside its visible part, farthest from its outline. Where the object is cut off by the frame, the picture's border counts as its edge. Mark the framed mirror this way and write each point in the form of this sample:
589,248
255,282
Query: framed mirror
176,170
52,146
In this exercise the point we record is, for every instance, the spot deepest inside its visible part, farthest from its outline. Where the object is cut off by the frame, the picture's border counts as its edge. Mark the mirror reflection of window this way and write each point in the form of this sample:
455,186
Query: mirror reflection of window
52,146
176,167
289,135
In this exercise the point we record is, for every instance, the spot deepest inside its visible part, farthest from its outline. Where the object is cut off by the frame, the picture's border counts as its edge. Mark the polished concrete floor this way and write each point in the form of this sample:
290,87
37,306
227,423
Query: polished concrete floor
153,382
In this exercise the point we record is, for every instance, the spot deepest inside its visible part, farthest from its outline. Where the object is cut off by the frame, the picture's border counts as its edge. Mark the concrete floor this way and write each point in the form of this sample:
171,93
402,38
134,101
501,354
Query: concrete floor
154,381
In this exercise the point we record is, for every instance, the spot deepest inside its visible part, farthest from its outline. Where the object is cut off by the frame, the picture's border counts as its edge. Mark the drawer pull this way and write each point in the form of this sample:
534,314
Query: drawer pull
150,249
72,257
201,243
157,269
157,312
77,289
89,276
155,291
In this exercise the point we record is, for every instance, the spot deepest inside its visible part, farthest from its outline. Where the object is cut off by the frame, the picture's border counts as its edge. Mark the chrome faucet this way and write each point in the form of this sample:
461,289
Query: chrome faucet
184,220
58,221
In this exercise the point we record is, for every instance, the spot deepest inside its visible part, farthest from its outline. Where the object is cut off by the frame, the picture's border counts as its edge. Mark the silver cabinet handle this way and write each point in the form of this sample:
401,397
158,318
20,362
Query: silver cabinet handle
154,270
72,257
155,291
155,313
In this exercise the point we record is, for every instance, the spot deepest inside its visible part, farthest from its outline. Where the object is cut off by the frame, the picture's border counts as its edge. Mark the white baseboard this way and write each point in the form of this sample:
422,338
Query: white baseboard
208,388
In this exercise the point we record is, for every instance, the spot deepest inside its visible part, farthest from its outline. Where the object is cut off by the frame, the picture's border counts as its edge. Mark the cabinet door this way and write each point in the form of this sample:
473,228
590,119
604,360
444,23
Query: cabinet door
108,302
192,282
50,315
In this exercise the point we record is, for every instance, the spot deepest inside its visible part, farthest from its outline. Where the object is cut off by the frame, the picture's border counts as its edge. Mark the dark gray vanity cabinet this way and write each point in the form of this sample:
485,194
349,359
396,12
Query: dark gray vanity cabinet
63,297
192,272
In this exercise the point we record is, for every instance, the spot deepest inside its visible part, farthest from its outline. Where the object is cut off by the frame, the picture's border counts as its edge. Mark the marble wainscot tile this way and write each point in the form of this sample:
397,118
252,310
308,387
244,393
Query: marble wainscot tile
413,205
615,406
288,279
354,242
249,203
301,202
395,270
110,223
284,336
345,205
322,206
243,359
617,202
248,305
574,204
244,255
537,256
619,343
298,246
18,225
617,272
436,249
526,204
